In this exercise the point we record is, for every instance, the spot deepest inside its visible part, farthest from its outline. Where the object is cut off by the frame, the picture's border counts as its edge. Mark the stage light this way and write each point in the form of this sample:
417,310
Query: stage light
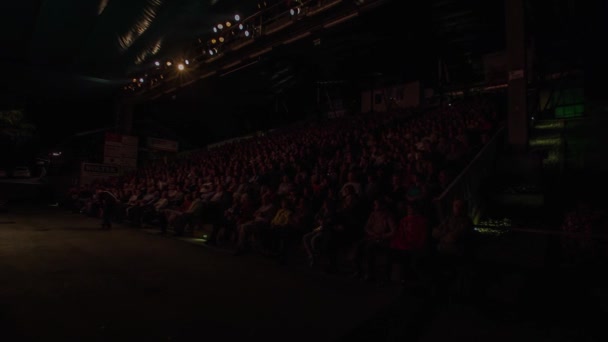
210,52
213,41
141,80
180,67
187,62
169,63
157,63
221,39
241,26
237,17
134,80
214,29
294,11
228,24
220,26
247,33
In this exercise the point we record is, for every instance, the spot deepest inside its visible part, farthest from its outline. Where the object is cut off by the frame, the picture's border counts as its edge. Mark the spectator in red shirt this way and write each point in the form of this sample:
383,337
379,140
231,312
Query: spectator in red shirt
409,243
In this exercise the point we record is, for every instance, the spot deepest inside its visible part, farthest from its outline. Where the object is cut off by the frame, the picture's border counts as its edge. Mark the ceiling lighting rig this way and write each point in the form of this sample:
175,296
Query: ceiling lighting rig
233,33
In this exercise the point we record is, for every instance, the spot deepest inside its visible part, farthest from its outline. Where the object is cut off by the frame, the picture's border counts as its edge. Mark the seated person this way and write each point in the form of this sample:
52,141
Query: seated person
240,212
170,214
453,234
324,221
194,212
379,229
409,244
275,233
248,231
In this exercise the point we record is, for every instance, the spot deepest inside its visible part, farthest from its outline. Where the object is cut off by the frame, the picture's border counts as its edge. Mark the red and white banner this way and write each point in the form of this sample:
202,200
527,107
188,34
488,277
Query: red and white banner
120,150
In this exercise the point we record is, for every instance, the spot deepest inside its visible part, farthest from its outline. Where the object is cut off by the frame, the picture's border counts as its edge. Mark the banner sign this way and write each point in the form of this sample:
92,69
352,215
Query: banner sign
90,172
162,144
120,150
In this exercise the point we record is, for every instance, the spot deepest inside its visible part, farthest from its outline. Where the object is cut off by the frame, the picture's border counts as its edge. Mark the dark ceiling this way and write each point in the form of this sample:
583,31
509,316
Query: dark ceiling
78,54
90,47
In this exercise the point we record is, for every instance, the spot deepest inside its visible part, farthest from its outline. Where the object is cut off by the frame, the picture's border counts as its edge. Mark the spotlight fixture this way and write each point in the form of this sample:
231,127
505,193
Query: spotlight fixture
237,17
241,26
220,26
214,29
157,63
294,11
180,67
141,80
211,53
247,34
134,80
228,24
169,63
221,39
213,41
187,62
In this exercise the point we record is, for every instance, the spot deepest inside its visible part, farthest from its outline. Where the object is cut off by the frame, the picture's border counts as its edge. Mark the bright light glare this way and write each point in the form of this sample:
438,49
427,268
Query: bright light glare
237,17
181,67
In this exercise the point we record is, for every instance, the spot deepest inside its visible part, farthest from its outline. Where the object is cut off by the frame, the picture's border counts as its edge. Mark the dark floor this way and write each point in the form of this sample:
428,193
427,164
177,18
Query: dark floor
62,279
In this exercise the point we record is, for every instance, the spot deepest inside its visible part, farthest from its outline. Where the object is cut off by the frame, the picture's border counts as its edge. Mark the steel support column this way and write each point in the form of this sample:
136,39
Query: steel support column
516,66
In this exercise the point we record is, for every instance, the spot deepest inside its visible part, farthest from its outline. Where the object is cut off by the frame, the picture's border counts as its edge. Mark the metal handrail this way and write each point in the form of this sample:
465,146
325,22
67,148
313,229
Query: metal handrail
438,202
559,232
466,169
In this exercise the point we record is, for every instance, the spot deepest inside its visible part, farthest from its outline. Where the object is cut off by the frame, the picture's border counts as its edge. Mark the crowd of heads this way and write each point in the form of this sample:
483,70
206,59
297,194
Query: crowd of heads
341,165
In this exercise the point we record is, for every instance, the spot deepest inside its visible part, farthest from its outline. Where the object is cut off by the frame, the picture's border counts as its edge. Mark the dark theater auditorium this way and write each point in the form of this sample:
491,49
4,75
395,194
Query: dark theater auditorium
303,170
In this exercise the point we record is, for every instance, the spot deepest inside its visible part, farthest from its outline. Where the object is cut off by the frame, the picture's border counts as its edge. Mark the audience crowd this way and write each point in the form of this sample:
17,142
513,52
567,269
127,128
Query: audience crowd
355,186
